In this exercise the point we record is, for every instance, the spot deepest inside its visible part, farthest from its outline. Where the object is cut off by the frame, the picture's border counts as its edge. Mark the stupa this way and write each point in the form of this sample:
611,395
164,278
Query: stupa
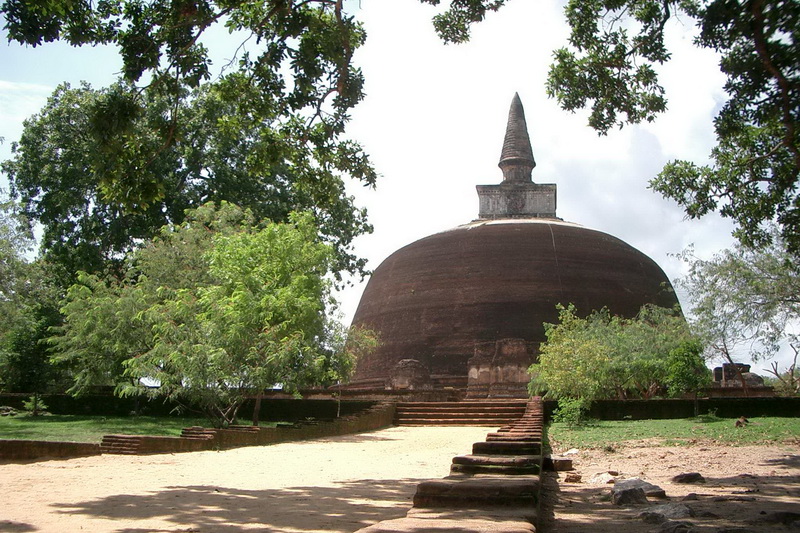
465,308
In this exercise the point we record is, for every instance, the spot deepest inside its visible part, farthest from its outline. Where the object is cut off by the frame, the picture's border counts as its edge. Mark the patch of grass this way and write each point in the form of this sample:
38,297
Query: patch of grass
603,433
90,428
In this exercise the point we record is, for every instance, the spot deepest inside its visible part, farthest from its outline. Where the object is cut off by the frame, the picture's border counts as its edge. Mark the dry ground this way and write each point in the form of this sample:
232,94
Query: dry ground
336,484
743,486
344,483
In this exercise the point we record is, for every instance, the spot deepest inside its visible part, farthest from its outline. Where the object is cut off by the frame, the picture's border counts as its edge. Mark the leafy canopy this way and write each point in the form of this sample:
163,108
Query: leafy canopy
225,150
745,296
29,307
605,356
213,310
103,169
610,66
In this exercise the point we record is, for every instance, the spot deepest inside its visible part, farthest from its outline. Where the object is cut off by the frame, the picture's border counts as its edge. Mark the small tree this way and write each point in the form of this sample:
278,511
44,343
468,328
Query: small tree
787,382
213,311
603,356
687,371
744,297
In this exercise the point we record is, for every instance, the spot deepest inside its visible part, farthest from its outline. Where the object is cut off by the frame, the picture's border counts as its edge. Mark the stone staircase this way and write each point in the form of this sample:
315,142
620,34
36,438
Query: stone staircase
121,444
491,413
495,489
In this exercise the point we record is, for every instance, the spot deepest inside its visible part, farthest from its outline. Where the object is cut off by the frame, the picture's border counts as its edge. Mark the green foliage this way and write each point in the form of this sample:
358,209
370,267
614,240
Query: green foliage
213,310
606,67
34,405
228,141
678,432
604,356
610,65
745,296
297,87
686,368
29,307
453,25
571,411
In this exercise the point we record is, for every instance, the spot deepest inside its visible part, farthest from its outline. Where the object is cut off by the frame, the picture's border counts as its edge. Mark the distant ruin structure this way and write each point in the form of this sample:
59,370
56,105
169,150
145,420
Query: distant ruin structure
468,304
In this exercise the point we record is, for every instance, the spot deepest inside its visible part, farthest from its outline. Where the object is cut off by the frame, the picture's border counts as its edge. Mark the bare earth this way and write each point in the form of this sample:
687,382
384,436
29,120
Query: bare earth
744,486
335,484
342,484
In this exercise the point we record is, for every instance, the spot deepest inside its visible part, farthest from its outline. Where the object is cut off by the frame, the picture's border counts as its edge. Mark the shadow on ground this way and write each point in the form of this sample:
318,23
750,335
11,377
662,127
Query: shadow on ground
9,526
344,508
757,504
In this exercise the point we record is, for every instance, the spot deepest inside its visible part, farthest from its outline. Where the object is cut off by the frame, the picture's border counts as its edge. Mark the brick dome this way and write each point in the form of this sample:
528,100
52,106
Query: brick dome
443,299
434,299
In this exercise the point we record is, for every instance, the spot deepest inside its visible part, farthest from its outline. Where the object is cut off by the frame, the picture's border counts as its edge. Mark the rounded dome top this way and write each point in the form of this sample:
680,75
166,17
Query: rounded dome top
435,298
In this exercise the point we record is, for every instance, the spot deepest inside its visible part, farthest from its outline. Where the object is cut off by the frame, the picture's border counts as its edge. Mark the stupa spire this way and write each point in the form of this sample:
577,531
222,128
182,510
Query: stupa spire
516,159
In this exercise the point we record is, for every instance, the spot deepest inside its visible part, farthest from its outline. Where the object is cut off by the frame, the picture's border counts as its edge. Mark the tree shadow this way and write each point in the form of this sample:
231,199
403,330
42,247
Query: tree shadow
756,503
787,461
9,526
346,507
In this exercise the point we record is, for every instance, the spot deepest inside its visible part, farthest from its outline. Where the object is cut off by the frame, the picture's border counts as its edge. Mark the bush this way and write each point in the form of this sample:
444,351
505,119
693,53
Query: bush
572,411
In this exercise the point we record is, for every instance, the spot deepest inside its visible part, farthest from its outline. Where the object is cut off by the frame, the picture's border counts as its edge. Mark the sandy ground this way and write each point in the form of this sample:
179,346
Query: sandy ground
743,487
335,484
342,484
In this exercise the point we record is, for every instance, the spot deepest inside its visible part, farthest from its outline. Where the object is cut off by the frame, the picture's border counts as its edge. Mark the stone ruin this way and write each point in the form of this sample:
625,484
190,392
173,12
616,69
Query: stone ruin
409,374
500,369
727,376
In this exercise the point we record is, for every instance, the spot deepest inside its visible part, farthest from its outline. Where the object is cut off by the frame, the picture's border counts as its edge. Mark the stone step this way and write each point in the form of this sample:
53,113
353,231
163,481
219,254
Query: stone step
507,448
456,413
479,492
495,470
120,444
521,404
198,432
498,460
499,437
401,421
448,525
513,465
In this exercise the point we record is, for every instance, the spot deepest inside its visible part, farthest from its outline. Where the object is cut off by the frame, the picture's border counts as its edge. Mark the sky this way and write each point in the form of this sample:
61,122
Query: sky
434,118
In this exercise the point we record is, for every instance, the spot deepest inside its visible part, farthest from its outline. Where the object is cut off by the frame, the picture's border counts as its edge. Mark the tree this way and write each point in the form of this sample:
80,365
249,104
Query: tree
604,356
788,381
687,371
212,311
611,66
29,307
745,296
225,149
293,82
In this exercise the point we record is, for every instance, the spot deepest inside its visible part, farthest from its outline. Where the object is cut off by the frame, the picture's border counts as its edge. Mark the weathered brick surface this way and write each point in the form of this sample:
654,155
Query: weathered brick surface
376,417
26,450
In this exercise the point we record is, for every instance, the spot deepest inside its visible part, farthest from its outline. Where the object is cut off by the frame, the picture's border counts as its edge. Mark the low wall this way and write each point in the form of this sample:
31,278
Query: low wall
685,408
376,417
276,406
27,450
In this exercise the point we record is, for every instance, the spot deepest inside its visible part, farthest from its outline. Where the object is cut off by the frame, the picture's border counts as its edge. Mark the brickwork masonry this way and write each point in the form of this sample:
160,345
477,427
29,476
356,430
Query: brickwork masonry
198,439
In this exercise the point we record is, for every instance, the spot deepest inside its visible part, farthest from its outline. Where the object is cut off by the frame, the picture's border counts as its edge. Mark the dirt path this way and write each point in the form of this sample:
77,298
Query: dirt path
344,483
744,487
336,484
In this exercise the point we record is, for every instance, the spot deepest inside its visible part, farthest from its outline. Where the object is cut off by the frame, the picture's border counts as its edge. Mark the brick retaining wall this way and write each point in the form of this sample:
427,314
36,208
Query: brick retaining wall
27,450
376,417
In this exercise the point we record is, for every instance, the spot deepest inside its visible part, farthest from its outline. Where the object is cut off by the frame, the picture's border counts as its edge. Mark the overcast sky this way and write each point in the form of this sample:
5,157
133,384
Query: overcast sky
434,118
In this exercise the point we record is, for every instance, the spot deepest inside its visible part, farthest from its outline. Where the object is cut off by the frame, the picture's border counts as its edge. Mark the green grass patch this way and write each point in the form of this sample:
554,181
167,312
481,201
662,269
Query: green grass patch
682,432
71,428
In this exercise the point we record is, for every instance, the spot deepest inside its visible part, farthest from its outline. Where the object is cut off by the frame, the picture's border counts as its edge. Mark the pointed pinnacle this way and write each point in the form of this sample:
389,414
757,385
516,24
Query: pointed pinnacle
516,159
